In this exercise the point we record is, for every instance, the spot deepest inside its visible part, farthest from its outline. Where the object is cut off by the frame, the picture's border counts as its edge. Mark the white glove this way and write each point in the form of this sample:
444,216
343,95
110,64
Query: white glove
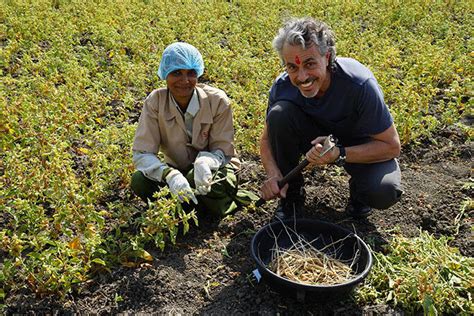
204,163
179,186
150,165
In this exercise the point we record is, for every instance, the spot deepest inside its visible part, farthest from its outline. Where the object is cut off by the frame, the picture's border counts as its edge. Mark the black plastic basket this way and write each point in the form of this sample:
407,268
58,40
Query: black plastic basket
350,248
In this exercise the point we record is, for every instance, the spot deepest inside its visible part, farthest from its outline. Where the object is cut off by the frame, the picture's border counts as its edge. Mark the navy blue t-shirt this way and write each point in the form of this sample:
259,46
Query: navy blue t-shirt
351,109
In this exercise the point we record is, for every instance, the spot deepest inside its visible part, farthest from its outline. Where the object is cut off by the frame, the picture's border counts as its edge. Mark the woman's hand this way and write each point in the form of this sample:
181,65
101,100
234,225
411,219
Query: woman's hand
204,163
179,186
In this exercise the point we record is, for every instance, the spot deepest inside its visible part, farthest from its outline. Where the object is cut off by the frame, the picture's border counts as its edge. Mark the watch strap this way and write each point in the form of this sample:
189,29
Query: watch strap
341,160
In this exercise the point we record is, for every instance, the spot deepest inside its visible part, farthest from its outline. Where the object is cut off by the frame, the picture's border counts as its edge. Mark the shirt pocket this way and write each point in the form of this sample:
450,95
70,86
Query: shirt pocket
202,137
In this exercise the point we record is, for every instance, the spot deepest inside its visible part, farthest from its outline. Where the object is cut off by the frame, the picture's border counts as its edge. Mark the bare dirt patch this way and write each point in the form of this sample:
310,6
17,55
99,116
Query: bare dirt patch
209,271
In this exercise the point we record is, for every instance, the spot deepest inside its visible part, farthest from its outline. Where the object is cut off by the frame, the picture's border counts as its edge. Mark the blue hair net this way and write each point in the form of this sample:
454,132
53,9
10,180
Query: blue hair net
180,56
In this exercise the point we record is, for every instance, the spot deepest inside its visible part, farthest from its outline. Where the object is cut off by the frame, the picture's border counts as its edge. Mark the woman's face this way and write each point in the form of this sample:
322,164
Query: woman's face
181,84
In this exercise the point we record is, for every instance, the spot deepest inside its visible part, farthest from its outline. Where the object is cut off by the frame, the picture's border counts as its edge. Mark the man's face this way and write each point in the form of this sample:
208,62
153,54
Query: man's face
307,69
181,84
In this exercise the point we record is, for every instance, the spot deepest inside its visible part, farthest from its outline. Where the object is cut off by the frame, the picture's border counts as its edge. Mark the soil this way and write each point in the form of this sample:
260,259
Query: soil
209,270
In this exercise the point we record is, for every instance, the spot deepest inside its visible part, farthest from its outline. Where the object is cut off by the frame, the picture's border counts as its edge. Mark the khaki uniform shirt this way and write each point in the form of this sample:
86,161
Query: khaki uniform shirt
161,127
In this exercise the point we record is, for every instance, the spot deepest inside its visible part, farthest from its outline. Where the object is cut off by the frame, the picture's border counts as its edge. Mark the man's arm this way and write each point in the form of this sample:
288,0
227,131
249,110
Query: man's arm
270,189
383,146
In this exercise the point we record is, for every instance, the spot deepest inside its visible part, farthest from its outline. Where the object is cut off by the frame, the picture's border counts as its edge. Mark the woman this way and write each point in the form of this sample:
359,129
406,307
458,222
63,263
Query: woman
190,124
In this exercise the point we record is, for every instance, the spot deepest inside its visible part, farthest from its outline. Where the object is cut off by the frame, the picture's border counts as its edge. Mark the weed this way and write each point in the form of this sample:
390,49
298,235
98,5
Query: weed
421,273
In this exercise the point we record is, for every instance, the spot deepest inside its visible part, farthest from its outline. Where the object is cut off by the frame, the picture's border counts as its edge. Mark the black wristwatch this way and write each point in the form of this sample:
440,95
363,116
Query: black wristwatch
341,160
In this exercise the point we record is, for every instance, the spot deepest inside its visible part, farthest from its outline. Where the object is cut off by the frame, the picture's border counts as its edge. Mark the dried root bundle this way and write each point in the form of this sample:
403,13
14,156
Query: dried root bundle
306,264
309,266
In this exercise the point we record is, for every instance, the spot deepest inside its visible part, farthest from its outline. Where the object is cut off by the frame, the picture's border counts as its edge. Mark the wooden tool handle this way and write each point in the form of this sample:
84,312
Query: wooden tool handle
294,172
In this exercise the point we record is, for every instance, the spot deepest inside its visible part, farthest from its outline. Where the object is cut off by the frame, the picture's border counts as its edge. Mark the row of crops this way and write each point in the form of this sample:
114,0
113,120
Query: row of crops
73,75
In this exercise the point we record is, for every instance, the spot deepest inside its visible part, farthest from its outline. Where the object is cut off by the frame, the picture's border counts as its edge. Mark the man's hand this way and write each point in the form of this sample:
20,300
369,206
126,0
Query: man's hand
204,163
316,155
179,186
270,189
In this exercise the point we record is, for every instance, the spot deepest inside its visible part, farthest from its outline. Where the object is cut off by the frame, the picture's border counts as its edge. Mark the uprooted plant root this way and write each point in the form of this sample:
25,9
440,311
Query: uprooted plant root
306,264
309,266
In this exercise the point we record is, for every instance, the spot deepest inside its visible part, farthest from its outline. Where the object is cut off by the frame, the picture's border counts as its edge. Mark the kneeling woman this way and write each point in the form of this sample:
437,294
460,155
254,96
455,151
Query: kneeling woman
190,124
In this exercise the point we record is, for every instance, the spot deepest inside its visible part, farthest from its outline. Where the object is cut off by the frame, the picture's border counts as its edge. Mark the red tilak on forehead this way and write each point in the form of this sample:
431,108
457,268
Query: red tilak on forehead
297,60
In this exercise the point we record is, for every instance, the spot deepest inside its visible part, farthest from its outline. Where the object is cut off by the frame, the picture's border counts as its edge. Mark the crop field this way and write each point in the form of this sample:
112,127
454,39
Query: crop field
74,75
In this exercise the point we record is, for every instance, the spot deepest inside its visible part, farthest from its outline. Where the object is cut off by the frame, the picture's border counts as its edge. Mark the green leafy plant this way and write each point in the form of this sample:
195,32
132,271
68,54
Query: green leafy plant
73,76
164,217
421,273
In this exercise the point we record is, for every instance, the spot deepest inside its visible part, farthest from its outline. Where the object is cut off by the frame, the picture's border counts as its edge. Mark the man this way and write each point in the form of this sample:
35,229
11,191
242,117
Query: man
319,95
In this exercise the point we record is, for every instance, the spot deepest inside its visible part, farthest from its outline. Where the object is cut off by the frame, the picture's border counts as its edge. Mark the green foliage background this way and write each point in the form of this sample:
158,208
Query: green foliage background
73,73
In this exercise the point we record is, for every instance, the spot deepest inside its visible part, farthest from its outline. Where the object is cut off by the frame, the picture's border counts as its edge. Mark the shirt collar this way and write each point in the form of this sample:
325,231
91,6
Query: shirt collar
193,106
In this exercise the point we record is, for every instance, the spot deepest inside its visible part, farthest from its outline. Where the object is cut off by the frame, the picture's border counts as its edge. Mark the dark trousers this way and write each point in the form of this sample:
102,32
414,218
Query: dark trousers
290,133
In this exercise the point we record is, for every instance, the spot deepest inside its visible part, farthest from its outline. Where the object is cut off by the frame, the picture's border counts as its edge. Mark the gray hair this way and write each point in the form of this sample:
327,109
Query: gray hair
305,32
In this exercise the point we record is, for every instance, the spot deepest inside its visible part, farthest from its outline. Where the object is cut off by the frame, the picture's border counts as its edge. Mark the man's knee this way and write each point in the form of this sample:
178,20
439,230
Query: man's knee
382,197
279,113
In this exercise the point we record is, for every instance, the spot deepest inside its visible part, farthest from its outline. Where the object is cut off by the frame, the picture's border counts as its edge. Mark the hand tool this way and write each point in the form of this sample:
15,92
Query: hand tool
328,145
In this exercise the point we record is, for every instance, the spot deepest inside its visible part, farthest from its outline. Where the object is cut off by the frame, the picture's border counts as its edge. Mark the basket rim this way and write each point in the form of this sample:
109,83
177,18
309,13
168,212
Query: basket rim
352,282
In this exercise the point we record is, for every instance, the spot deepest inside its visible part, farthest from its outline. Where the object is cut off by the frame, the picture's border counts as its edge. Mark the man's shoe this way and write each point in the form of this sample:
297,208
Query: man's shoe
357,209
288,209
